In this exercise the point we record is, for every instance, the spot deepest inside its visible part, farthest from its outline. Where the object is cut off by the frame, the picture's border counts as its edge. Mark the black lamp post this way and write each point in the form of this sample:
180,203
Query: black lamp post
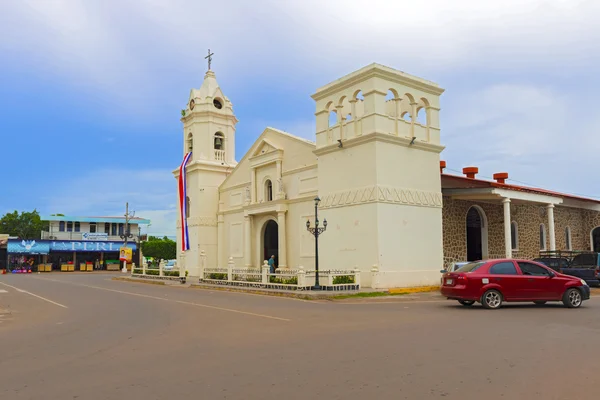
316,231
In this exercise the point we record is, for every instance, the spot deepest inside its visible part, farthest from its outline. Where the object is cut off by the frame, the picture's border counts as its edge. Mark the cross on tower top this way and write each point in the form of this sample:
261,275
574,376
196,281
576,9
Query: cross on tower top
209,58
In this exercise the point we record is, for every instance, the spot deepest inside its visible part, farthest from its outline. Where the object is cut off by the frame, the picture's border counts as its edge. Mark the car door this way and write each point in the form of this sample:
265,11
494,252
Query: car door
540,283
505,274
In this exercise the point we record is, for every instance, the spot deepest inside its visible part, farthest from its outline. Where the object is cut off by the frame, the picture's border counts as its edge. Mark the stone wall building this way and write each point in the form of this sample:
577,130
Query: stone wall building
483,219
375,168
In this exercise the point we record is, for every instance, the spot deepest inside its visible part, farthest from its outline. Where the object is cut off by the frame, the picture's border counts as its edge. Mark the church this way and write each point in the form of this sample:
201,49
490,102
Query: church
376,175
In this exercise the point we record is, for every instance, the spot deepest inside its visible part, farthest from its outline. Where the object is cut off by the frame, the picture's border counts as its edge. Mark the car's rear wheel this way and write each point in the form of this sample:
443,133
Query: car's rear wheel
539,302
466,303
492,299
572,298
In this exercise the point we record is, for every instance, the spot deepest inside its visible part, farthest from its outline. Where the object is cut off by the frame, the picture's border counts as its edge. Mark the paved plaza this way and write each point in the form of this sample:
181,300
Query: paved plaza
75,336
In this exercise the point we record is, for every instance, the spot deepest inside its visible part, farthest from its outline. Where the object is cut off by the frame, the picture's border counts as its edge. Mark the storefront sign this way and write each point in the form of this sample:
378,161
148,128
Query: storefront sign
17,246
126,254
104,246
94,236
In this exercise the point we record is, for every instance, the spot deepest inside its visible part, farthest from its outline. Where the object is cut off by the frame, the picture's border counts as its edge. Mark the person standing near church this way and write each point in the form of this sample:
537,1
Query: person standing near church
272,264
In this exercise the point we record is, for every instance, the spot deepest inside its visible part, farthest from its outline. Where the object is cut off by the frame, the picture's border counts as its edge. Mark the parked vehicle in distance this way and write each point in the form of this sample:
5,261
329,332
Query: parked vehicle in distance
556,263
585,266
170,264
493,282
451,268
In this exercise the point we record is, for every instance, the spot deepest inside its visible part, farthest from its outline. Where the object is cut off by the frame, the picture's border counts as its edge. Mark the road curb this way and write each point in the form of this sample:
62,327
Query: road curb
410,290
147,282
341,297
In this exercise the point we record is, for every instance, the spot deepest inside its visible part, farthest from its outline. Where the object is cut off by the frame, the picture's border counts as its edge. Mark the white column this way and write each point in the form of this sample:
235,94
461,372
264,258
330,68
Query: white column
248,241
282,239
413,118
253,186
397,115
507,236
279,172
221,246
550,208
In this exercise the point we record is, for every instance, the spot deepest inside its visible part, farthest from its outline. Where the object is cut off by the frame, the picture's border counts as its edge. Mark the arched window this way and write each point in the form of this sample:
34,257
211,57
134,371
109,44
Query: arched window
219,141
268,190
188,203
514,236
542,237
568,243
190,142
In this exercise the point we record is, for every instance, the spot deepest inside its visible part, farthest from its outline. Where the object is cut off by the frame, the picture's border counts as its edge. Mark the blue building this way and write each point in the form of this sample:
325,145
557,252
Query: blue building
78,243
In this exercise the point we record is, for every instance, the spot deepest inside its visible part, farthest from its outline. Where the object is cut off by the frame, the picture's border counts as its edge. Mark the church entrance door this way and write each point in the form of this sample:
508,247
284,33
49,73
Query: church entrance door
476,235
271,241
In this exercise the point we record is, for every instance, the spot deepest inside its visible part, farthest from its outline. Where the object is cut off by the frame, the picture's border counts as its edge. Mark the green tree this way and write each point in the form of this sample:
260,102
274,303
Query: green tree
159,249
26,225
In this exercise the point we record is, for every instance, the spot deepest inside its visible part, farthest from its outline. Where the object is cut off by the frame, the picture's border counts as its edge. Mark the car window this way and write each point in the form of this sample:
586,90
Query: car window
470,267
532,269
503,268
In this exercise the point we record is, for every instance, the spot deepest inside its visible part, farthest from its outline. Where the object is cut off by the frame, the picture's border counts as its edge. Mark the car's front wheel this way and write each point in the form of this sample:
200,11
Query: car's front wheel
572,298
492,299
466,303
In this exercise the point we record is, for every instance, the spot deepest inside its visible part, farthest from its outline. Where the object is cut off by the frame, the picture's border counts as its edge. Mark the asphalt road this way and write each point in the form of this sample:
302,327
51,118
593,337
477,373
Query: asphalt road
88,337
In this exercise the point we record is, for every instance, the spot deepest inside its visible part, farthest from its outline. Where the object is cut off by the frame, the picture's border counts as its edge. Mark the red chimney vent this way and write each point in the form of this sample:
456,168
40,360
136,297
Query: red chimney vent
470,172
501,177
442,166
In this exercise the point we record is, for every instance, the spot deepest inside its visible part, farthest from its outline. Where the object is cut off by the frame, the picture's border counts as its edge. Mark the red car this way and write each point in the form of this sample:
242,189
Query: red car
493,282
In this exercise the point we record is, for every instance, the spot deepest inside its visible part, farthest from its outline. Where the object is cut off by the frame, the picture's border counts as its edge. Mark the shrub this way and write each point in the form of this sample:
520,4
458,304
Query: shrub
344,279
152,272
137,271
284,281
171,273
218,276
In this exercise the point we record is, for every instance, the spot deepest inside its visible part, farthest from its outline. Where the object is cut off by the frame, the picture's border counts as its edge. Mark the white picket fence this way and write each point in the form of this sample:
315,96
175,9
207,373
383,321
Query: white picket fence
283,278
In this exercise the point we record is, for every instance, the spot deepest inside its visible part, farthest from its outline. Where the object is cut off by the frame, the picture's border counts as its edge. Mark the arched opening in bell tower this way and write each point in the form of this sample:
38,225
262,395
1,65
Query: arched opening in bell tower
219,146
190,142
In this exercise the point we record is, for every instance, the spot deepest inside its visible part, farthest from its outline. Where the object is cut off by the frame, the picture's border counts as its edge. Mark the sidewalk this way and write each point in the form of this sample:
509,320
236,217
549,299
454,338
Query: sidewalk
365,294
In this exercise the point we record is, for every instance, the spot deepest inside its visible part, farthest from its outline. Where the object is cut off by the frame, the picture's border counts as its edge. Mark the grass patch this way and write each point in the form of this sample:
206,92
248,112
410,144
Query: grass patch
367,295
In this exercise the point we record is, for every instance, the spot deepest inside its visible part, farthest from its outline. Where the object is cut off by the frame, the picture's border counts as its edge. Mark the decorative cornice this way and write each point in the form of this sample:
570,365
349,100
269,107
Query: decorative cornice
380,137
382,194
199,221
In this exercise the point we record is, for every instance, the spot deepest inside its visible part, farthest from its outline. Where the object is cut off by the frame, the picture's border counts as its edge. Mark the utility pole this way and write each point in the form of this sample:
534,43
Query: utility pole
126,234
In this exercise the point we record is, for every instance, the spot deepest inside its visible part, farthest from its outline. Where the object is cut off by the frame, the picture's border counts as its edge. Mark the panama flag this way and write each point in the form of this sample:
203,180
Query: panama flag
185,240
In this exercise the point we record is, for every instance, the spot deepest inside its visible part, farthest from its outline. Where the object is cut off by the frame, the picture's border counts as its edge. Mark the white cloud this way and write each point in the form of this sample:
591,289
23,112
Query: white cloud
124,48
526,130
150,193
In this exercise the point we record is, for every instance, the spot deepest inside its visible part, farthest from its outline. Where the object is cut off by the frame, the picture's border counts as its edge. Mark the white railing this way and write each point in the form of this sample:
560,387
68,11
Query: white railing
220,155
282,278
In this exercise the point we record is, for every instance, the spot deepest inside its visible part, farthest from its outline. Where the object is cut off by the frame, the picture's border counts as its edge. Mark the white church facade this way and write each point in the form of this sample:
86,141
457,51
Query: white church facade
377,172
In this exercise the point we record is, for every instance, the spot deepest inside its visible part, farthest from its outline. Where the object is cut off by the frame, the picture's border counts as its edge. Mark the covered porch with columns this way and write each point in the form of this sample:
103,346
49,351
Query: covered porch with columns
535,219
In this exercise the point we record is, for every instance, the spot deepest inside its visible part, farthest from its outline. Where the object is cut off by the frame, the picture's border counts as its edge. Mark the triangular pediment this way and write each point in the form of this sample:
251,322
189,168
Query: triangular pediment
264,147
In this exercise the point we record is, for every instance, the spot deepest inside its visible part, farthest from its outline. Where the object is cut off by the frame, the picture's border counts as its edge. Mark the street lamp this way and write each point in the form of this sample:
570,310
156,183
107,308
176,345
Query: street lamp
316,231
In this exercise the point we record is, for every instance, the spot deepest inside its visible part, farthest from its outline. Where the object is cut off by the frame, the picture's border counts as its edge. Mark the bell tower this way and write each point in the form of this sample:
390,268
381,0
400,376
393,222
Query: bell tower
209,134
381,128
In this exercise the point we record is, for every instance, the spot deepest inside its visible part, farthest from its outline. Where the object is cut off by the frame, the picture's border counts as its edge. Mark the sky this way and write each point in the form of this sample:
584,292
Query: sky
91,90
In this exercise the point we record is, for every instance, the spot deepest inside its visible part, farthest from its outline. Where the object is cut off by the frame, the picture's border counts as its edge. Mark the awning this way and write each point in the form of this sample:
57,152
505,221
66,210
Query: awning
16,246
